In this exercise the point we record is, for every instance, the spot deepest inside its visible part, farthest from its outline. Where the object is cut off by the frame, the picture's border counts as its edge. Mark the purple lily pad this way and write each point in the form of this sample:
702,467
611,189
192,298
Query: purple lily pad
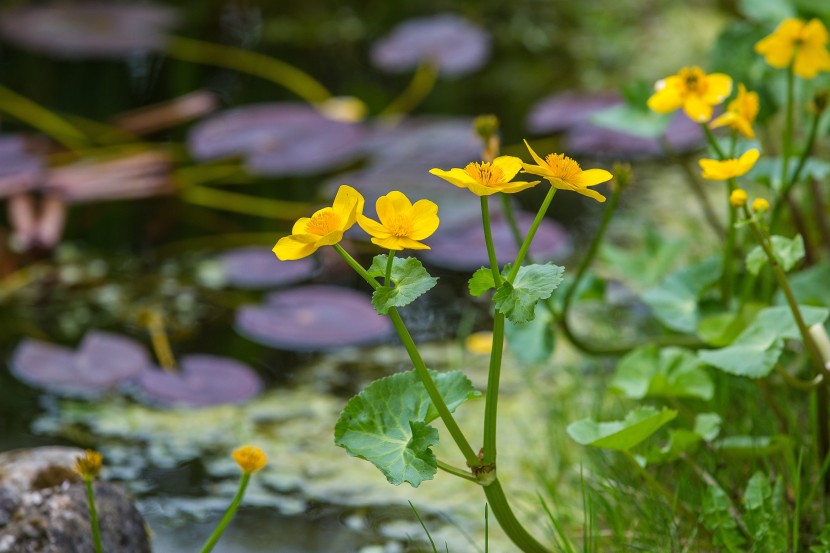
102,363
313,318
559,112
278,139
463,248
449,41
88,29
255,268
20,167
200,381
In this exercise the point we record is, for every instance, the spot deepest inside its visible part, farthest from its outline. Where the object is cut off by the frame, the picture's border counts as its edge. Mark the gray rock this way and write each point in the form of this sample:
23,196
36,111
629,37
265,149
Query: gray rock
43,507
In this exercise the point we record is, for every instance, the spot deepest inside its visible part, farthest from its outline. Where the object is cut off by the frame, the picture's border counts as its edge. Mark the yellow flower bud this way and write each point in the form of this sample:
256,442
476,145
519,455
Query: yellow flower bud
249,458
738,197
760,205
88,465
486,126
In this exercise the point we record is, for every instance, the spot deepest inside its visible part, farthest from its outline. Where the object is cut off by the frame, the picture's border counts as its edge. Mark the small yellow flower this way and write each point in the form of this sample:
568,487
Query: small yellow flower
738,197
802,44
324,228
480,343
249,458
486,178
566,174
740,113
402,223
760,205
89,464
728,168
693,90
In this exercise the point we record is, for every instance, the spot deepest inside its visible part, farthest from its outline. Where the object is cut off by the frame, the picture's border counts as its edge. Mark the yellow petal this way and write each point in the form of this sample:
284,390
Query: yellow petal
748,159
539,161
591,177
744,127
424,219
458,177
330,239
518,186
294,247
481,190
591,193
347,204
399,202
815,33
541,170
665,100
711,169
810,60
509,166
371,227
723,120
777,51
385,211
399,243
697,109
718,88
300,226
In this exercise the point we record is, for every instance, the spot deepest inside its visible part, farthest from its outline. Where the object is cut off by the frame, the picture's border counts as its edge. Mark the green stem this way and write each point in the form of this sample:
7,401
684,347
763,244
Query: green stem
455,471
93,515
786,144
508,521
420,368
530,234
253,63
729,248
390,259
42,119
488,240
492,396
797,383
220,528
712,142
242,203
422,83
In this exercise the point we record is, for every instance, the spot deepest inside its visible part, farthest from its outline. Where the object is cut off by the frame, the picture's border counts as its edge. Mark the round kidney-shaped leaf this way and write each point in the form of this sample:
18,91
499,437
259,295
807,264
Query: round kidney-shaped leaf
256,268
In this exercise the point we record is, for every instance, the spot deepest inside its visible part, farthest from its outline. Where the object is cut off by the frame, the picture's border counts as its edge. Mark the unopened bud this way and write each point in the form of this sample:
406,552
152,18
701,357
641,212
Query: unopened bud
622,175
760,205
486,126
819,103
738,197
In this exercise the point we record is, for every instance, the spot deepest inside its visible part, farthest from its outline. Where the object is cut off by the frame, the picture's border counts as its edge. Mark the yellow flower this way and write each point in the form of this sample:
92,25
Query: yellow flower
324,228
402,224
693,90
566,174
740,113
738,197
487,178
88,465
728,168
249,458
802,44
760,205
480,343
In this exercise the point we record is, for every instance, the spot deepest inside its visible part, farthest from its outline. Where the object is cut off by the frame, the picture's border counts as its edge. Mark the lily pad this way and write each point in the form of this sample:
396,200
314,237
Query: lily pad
102,363
450,42
200,381
256,268
313,318
278,139
20,167
461,247
683,134
560,112
88,29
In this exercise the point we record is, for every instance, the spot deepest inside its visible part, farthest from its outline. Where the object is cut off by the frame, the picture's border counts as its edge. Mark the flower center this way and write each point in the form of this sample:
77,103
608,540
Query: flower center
694,80
563,167
323,222
400,225
484,173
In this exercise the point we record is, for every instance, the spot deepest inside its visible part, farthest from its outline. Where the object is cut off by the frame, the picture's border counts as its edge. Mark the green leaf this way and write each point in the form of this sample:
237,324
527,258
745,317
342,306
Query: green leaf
643,264
721,329
410,278
481,281
756,350
788,252
707,426
675,301
533,283
622,435
387,423
764,516
810,285
751,446
719,520
667,372
772,11
532,342
630,120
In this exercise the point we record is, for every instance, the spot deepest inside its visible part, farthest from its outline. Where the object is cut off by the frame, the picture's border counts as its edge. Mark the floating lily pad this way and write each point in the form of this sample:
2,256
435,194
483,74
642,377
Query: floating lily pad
88,29
313,318
683,134
452,43
200,381
462,247
255,268
20,167
560,112
278,139
101,363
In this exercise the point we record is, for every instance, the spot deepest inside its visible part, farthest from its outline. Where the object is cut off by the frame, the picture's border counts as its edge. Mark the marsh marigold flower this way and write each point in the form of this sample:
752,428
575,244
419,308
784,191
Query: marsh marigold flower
324,228
738,197
804,45
740,113
728,168
402,223
486,178
566,174
89,464
249,458
760,205
693,90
